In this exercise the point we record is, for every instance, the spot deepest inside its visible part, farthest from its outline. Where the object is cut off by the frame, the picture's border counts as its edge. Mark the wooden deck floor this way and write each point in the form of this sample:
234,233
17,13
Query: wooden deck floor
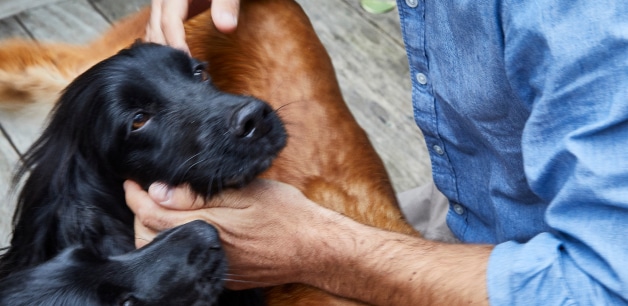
366,49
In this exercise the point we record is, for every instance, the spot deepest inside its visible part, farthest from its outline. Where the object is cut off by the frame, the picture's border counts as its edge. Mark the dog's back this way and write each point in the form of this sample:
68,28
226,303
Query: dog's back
276,56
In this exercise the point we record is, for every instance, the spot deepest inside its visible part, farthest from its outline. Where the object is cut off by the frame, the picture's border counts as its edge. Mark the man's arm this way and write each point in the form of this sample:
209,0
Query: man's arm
385,268
273,235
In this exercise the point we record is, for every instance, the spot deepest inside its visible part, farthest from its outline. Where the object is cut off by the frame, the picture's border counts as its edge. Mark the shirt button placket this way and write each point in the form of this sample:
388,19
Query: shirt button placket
421,78
458,209
438,150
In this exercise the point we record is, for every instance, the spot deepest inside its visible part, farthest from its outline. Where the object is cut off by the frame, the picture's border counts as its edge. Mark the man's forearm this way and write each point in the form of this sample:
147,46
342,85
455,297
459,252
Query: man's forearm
385,268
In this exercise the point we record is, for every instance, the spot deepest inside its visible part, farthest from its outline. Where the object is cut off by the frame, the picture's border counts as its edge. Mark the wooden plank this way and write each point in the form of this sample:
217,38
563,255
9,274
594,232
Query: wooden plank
72,21
12,7
373,72
24,126
113,10
11,27
388,22
8,162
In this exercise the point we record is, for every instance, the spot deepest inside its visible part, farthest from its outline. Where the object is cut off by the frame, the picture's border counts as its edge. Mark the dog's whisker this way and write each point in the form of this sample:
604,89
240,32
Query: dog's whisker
210,186
219,174
189,167
233,280
191,157
288,103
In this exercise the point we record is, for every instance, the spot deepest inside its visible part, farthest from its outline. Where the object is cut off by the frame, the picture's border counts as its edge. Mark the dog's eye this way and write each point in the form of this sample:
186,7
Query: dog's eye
200,74
128,301
139,120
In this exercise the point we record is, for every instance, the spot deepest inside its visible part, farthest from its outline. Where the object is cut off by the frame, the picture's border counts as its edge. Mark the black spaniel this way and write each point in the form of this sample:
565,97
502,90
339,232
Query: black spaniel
149,113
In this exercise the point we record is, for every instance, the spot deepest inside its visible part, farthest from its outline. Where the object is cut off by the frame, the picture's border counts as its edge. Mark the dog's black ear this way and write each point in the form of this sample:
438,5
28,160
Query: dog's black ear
59,169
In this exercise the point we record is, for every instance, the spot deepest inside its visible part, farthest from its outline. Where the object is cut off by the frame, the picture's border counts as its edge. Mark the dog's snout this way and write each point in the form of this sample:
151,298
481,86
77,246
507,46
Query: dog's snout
249,121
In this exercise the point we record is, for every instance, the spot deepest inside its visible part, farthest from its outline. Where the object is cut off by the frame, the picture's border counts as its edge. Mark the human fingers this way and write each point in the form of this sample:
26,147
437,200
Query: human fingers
152,215
153,28
165,25
182,198
137,196
173,13
257,192
225,14
143,234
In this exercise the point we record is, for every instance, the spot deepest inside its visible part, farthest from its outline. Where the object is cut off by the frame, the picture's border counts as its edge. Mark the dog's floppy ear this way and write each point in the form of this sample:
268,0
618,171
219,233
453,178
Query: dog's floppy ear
57,165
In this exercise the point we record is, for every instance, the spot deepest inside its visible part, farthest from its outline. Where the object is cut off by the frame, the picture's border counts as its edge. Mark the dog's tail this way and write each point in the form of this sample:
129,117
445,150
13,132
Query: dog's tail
33,72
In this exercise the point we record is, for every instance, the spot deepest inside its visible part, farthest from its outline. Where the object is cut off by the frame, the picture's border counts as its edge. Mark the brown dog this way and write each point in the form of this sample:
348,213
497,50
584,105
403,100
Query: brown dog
276,56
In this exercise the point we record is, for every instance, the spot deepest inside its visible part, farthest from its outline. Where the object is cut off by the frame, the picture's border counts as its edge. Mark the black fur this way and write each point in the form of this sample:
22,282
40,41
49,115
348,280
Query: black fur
149,114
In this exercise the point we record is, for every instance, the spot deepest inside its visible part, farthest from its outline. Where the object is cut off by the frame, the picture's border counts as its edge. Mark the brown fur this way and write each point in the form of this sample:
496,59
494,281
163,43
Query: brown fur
276,56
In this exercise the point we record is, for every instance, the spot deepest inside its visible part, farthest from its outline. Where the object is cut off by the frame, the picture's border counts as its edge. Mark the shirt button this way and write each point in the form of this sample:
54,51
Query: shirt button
420,77
458,209
438,150
412,3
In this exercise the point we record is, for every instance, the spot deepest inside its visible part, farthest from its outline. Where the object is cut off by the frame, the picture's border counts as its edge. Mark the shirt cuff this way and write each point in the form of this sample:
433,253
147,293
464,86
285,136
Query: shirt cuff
540,272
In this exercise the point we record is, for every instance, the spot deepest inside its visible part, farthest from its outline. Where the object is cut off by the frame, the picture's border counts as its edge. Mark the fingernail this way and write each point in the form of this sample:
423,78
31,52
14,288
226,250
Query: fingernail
228,20
160,192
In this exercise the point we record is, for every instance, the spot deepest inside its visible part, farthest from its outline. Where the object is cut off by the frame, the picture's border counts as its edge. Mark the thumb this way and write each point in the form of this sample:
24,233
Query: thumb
150,217
177,198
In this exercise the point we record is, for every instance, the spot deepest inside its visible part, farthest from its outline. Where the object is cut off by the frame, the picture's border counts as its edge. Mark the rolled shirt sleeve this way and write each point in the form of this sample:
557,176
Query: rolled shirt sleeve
569,61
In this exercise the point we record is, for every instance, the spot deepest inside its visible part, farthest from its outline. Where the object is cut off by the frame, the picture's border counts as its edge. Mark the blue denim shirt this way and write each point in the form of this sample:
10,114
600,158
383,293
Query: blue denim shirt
524,108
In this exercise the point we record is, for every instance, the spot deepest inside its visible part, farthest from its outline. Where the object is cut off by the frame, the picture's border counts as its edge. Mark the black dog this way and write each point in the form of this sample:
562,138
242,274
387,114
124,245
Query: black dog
182,266
149,114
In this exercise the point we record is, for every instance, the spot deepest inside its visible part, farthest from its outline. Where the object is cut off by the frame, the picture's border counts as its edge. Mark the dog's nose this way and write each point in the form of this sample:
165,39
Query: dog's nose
248,121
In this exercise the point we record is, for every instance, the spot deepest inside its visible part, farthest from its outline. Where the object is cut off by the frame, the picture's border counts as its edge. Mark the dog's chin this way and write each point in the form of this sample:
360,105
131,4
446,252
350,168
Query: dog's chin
241,176
242,179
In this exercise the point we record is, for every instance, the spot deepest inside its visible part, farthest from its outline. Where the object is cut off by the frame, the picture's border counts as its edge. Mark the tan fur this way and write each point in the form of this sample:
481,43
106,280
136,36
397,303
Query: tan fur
274,55
33,72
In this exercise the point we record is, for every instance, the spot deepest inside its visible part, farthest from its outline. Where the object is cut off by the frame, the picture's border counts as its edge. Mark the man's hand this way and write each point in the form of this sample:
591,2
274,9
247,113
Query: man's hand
265,227
167,16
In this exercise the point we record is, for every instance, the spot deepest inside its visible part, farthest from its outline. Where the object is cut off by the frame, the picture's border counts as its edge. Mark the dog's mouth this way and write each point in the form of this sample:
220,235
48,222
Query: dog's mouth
249,152
244,177
237,166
